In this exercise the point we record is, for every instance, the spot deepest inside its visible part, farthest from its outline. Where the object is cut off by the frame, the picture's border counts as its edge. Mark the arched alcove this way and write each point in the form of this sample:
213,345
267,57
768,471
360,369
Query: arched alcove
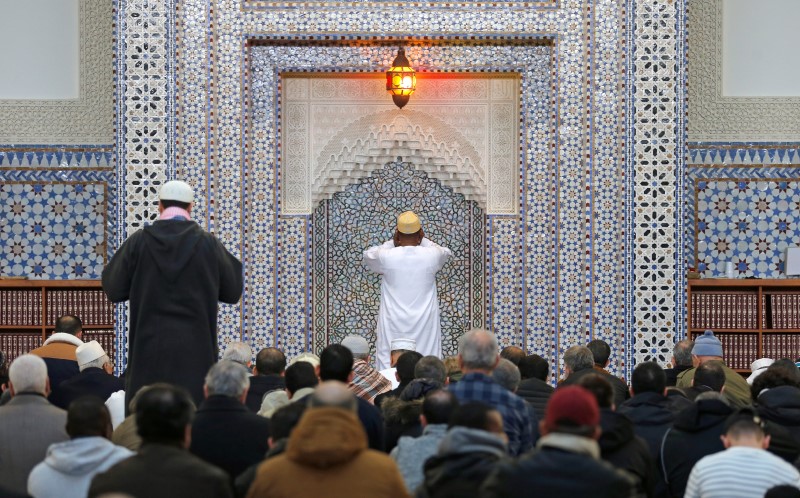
347,296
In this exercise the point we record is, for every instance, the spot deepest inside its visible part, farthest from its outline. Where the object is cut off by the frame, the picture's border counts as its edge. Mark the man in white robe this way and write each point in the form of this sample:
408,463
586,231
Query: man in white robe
409,304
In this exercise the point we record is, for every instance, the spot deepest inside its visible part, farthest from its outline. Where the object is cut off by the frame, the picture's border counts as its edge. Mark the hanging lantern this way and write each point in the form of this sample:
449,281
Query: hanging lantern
401,80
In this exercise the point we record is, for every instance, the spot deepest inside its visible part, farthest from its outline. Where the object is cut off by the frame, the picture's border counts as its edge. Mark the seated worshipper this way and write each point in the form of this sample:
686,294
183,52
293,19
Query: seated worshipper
69,467
412,452
401,415
708,348
473,444
281,424
336,363
95,378
601,352
409,306
29,424
745,469
619,444
239,352
327,454
650,410
404,371
533,387
681,360
507,374
301,379
697,430
757,368
566,462
273,401
367,382
126,435
454,372
777,396
225,433
163,468
399,346
478,356
513,354
58,351
432,368
579,361
267,377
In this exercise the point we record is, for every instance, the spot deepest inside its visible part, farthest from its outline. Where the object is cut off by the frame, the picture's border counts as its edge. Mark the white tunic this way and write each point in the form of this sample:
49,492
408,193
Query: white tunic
409,305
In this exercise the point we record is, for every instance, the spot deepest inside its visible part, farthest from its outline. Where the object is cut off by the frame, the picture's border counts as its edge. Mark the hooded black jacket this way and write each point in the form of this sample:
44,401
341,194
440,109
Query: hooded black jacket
174,274
695,434
621,447
780,407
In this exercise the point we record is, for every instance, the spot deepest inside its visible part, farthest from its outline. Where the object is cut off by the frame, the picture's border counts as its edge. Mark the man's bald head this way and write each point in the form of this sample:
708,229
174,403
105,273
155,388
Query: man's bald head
333,393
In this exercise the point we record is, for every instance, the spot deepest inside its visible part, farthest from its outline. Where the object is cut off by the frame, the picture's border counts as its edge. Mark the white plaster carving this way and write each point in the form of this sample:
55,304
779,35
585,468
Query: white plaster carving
714,117
87,120
462,131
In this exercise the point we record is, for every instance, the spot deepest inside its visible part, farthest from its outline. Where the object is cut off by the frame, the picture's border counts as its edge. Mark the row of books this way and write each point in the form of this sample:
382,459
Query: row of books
14,344
724,311
777,346
782,311
23,307
20,307
738,310
740,350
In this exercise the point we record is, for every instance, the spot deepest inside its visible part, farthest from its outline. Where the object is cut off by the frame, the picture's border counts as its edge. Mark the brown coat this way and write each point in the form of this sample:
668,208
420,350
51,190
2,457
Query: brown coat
327,455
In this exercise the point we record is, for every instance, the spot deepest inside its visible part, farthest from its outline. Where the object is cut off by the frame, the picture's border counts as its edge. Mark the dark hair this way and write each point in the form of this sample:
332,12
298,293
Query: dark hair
599,387
430,367
68,324
789,367
438,406
162,414
783,491
648,377
534,366
473,414
512,354
405,365
285,419
88,416
270,361
168,203
335,363
300,375
601,351
710,374
773,377
745,421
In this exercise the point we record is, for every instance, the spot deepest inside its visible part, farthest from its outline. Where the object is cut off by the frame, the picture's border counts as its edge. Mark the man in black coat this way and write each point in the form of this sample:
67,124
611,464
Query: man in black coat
405,366
567,459
163,468
619,444
270,366
225,433
174,274
94,379
534,387
697,430
681,360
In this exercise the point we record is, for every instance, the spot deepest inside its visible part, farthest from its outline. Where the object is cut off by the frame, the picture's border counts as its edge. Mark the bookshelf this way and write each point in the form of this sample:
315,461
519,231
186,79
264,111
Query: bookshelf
29,309
753,318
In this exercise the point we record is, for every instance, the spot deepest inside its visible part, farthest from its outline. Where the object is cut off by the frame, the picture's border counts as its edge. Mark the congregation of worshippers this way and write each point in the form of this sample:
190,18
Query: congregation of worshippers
489,421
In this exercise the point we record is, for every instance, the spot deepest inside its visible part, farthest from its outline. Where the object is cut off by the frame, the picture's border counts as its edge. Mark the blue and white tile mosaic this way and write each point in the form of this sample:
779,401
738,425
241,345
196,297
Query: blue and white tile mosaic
53,231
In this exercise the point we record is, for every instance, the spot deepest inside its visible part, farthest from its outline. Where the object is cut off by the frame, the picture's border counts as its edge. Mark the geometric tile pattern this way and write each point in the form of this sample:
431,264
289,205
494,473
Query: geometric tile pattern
364,215
749,222
101,157
53,230
743,154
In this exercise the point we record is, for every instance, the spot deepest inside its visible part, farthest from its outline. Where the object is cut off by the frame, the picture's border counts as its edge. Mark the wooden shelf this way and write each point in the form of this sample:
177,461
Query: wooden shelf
41,302
729,301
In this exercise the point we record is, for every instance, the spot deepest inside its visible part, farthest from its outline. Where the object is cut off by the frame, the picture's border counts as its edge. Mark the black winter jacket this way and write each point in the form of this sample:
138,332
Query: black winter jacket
621,447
